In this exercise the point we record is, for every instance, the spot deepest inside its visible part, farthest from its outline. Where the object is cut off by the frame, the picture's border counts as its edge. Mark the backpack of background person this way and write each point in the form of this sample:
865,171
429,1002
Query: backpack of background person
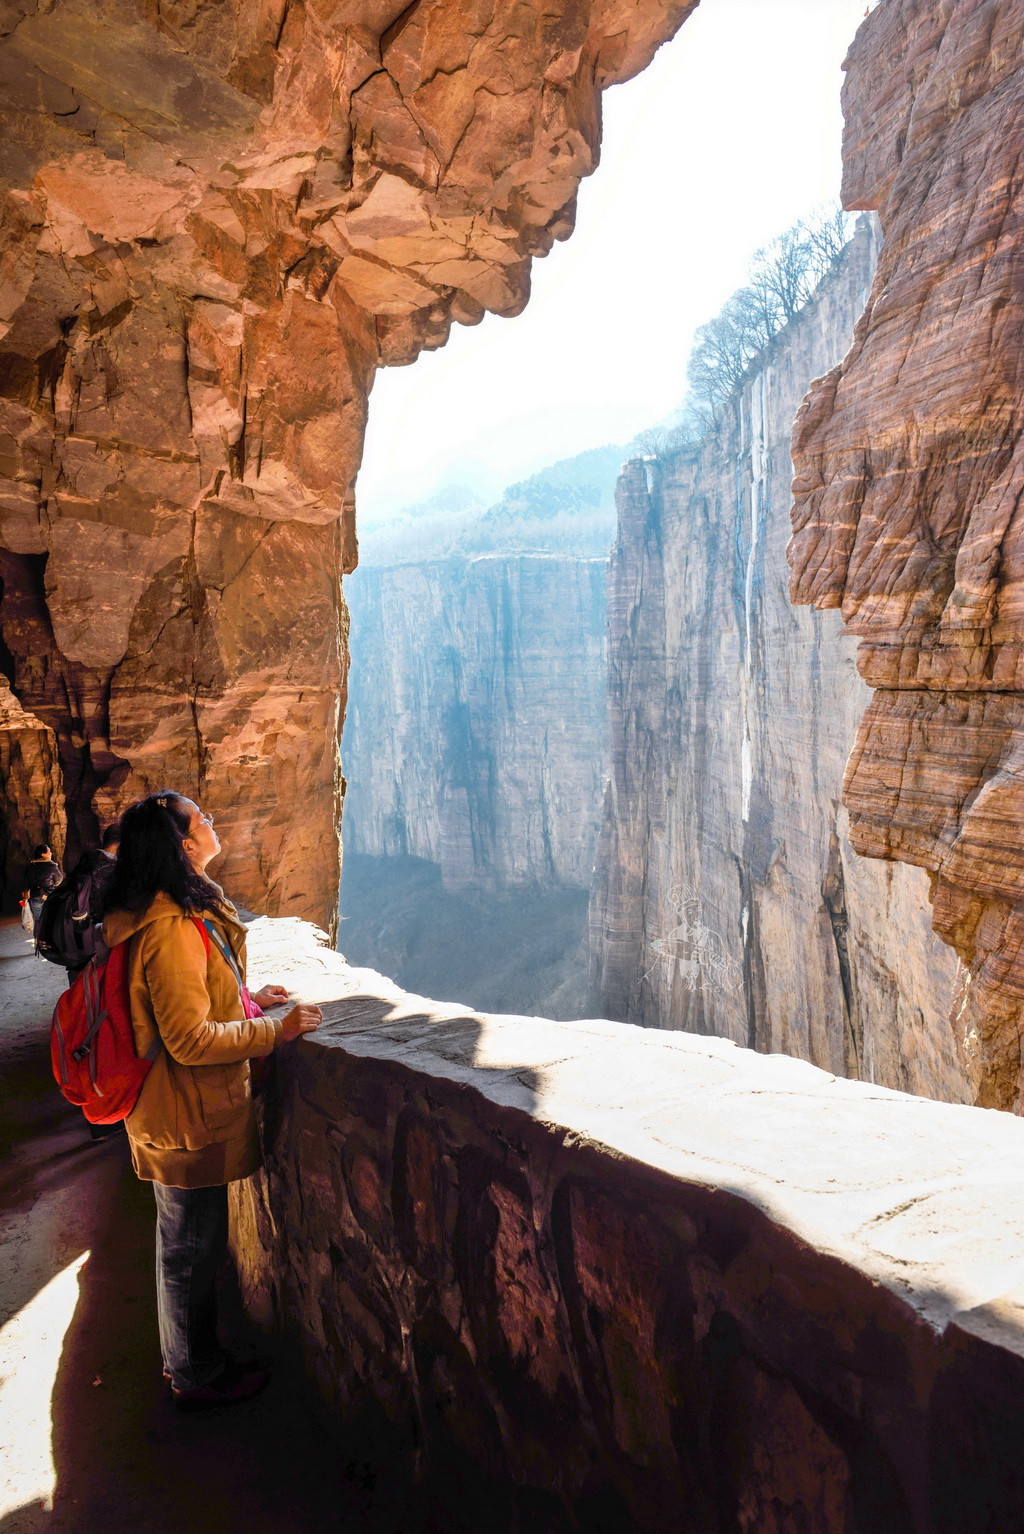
92,1044
66,933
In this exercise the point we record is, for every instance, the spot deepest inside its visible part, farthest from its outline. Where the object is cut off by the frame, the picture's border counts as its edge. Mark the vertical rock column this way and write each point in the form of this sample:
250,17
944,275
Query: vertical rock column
727,898
908,490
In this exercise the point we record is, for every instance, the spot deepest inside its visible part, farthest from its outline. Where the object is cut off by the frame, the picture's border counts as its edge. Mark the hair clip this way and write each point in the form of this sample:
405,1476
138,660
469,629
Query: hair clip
162,802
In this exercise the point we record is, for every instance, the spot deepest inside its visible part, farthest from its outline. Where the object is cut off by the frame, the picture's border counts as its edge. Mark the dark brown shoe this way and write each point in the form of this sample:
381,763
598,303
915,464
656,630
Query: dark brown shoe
238,1382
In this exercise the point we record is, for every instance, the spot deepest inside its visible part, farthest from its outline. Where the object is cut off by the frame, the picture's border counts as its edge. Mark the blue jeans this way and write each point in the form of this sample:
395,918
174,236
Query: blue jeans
191,1240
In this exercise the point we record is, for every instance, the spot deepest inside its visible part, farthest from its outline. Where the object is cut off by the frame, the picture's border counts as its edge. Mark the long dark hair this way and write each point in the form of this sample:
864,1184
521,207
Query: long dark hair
151,858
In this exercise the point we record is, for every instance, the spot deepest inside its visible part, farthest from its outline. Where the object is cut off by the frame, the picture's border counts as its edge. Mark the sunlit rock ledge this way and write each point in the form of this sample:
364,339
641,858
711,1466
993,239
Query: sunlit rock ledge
572,1268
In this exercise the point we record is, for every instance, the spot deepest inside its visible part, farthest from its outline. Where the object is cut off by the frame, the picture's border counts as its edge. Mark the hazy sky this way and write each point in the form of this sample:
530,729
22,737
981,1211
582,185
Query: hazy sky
731,135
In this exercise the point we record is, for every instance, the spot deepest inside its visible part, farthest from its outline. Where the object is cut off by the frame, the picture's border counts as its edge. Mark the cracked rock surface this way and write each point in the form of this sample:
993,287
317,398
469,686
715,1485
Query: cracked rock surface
909,481
218,219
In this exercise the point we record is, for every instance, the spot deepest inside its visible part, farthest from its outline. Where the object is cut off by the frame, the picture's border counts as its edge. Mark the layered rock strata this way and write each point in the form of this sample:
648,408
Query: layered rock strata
476,726
217,220
587,1276
32,810
727,898
909,479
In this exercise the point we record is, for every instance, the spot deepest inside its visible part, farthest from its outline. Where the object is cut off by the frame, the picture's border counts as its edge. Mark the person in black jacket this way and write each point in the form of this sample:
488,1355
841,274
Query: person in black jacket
43,876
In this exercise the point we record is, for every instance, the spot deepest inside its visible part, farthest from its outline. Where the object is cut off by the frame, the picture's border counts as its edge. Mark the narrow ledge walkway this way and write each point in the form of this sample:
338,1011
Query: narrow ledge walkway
89,1442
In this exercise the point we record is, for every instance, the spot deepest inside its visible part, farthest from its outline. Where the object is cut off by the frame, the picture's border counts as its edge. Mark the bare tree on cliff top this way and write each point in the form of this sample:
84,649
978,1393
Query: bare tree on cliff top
783,276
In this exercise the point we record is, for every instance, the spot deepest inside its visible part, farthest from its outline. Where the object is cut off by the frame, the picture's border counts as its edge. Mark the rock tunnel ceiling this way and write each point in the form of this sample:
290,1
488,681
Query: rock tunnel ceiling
909,481
218,221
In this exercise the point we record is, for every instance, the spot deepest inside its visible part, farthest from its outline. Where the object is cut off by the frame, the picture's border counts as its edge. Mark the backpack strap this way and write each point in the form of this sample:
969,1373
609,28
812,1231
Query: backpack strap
96,1015
82,900
217,936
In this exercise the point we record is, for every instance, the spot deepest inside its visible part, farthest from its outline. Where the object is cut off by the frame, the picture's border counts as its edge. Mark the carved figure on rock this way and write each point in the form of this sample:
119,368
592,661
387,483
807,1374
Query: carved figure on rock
908,488
32,808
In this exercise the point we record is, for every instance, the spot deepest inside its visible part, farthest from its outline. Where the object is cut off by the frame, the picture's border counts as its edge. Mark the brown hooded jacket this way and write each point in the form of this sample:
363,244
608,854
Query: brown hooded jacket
194,1125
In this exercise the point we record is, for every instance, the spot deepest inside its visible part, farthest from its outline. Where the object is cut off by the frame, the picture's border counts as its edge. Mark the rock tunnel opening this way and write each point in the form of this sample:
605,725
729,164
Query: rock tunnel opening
171,490
721,721
171,459
208,264
443,766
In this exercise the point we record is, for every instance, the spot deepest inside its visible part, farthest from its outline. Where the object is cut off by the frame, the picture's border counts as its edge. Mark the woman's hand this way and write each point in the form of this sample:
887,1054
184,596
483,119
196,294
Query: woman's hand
270,996
301,1019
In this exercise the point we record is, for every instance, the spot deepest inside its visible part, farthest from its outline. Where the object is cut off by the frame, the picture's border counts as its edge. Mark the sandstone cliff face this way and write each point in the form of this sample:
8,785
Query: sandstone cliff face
33,804
217,220
909,475
727,897
476,729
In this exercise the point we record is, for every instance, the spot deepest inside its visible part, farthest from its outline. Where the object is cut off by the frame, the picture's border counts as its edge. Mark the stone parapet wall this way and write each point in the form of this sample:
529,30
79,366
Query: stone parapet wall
594,1277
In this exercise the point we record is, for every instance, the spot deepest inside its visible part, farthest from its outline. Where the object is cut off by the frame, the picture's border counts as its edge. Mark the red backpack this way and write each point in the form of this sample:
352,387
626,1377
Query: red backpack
92,1044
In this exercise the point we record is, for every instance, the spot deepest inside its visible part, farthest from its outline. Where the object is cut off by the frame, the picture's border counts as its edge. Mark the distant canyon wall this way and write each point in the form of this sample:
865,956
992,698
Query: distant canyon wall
909,514
727,898
476,723
217,220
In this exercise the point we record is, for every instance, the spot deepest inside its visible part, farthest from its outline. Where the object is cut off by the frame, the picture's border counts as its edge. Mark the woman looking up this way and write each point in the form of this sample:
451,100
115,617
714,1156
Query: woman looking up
193,1129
